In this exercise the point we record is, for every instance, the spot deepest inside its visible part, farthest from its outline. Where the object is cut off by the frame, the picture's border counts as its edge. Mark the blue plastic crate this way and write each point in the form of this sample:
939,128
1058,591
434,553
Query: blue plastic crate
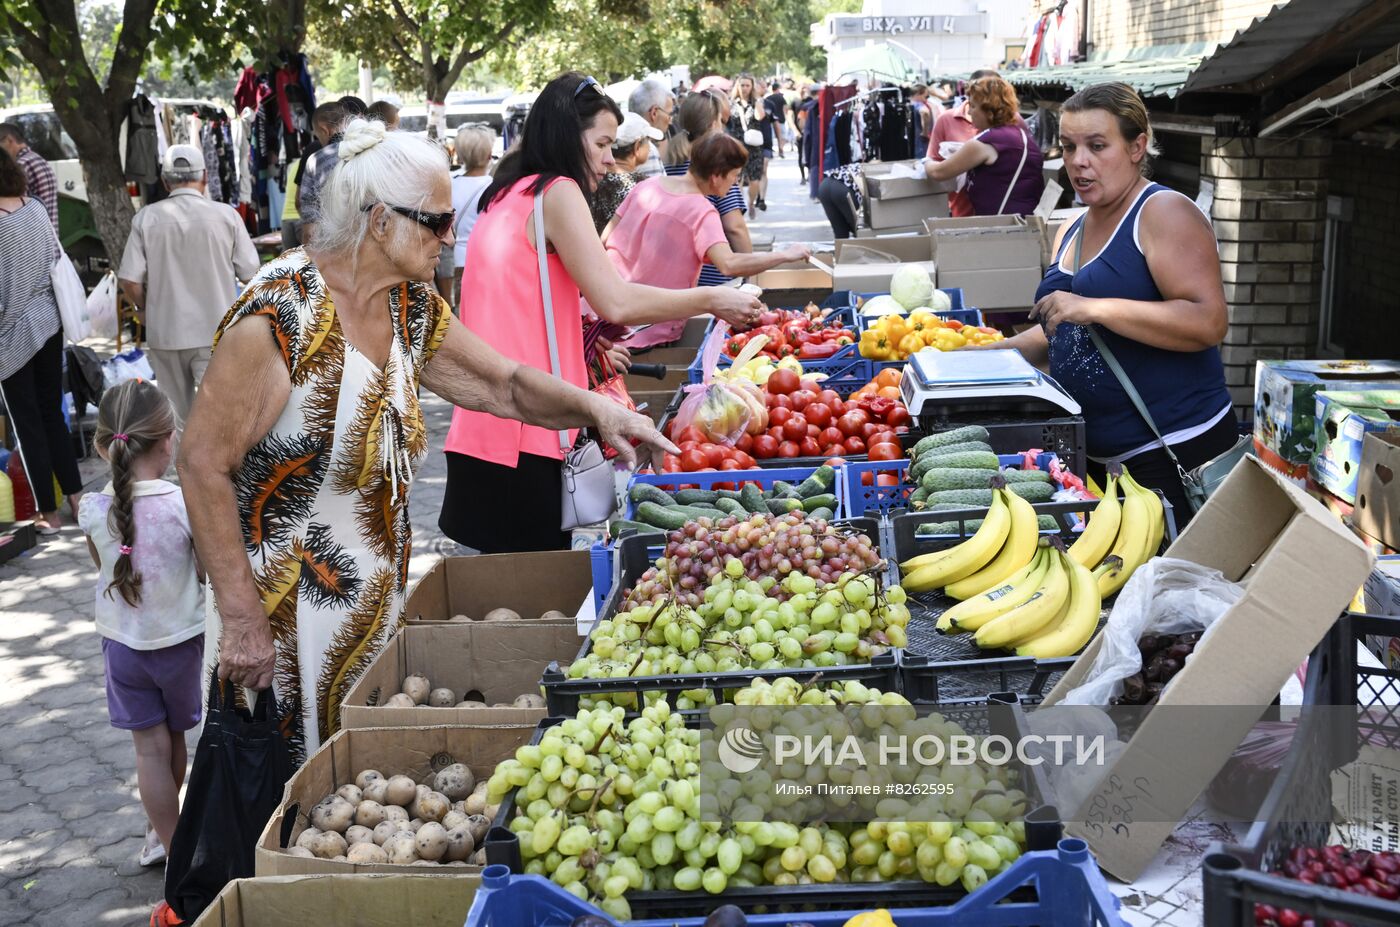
863,500
845,366
1067,884
958,310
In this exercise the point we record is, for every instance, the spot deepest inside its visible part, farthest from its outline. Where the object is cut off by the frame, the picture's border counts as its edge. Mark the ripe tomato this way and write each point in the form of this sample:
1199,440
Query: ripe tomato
745,442
834,451
778,416
670,463
801,399
765,447
693,459
883,435
818,413
813,431
812,386
886,479
746,462
795,428
776,431
885,451
691,434
898,417
789,449
867,479
729,463
714,454
836,462
852,422
783,382
779,401
855,445
869,430
829,396
810,447
838,408
832,435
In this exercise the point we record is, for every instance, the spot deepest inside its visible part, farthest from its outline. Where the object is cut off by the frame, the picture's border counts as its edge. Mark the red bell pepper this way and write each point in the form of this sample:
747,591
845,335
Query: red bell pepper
814,350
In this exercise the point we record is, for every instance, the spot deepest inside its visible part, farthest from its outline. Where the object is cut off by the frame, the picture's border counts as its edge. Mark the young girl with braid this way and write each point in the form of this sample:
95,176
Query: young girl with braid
150,608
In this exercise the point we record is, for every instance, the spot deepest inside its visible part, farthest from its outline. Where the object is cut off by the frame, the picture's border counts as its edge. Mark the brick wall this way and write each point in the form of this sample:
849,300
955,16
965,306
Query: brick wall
1125,24
1270,199
1367,292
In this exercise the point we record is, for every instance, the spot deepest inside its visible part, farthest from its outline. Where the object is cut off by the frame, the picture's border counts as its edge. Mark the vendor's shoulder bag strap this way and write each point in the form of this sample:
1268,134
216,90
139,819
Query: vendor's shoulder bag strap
1025,153
589,493
1198,483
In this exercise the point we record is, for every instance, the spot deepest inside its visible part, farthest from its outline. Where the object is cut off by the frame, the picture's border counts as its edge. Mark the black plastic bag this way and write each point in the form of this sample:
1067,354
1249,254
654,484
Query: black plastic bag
241,767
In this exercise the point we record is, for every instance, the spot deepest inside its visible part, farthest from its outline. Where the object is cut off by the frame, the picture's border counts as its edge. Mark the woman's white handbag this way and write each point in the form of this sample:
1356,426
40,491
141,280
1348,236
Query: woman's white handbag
71,296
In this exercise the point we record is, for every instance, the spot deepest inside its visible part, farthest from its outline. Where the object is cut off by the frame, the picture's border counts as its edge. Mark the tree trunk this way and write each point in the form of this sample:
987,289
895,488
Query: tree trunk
94,133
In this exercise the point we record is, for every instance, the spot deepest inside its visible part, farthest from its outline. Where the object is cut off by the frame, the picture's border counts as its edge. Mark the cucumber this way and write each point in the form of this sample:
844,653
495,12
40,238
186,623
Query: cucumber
969,497
1025,476
927,462
824,501
782,490
824,514
617,526
751,498
645,492
918,498
1046,523
783,506
728,494
939,479
821,481
696,496
731,507
968,461
946,438
670,518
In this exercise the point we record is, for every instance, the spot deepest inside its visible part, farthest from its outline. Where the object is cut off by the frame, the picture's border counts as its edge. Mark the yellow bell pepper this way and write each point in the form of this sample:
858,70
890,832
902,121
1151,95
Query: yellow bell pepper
876,345
930,336
911,343
896,328
877,918
922,320
949,340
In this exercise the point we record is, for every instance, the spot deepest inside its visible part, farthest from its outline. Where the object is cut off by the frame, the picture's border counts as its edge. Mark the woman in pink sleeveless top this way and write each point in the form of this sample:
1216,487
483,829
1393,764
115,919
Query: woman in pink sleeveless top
503,478
667,228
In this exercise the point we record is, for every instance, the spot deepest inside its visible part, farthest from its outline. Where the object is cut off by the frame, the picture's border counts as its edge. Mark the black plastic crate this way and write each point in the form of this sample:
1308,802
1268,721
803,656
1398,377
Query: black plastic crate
1013,433
938,668
1236,877
632,557
1001,714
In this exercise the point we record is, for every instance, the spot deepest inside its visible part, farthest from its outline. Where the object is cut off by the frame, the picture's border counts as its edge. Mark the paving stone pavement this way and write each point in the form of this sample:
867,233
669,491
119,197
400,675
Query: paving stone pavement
71,823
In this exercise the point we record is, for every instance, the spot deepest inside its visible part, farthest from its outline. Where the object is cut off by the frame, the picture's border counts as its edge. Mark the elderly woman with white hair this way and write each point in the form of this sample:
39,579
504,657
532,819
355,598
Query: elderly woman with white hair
302,445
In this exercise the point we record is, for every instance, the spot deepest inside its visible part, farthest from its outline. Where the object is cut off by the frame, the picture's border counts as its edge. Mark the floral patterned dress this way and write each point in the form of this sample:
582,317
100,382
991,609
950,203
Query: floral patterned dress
323,497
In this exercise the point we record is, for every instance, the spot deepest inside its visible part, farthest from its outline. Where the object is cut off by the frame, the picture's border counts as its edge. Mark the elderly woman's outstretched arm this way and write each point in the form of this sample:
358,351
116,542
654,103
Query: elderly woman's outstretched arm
240,398
468,372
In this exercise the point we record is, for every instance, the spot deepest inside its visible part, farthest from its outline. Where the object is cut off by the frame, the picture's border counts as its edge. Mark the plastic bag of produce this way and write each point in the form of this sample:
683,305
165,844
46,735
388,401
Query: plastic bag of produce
1164,596
717,410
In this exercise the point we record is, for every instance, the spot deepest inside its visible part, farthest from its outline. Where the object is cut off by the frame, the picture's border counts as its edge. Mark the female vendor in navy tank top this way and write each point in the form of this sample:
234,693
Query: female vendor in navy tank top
1148,280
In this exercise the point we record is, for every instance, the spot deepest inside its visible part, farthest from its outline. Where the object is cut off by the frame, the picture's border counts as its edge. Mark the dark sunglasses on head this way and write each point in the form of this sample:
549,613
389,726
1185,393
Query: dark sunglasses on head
439,223
586,83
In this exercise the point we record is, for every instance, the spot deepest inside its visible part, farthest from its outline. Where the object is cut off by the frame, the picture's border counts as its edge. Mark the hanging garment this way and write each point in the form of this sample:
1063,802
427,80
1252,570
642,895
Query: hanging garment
243,152
213,185
142,159
249,91
1067,49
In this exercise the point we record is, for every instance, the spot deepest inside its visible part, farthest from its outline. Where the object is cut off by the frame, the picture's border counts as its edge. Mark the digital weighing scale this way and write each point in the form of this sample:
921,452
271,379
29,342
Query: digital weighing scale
1021,408
937,383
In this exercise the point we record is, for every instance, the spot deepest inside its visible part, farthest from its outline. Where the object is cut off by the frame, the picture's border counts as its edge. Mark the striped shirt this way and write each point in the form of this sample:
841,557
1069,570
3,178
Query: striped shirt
28,310
40,181
734,199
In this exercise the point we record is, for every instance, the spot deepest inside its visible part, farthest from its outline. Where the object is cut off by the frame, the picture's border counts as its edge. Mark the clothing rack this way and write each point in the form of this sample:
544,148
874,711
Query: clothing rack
868,93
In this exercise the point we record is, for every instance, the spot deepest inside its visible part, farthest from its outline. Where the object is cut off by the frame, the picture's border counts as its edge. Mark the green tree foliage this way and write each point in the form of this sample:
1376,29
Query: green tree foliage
90,87
427,43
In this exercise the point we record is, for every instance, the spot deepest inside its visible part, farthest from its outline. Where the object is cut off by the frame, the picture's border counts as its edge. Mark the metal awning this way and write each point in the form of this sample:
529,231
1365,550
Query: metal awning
1151,77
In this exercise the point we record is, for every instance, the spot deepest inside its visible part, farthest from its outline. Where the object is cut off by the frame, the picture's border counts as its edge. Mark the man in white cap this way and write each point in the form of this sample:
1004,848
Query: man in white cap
630,150
181,266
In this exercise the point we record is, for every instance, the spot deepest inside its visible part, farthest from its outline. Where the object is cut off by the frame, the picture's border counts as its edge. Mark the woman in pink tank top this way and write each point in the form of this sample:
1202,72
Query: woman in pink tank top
667,228
503,478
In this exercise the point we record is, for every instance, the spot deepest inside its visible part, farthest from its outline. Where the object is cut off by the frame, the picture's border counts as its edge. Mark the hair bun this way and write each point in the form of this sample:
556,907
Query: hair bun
358,136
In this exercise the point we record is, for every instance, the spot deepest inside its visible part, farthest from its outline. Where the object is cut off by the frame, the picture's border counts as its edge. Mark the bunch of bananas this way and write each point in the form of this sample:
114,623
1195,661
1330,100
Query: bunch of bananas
1019,592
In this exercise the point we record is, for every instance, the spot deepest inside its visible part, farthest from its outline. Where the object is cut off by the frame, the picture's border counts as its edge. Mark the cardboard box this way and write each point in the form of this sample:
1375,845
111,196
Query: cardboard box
1284,403
874,278
1297,473
530,583
879,185
987,243
418,753
890,214
387,900
804,279
1009,288
901,230
1300,567
1342,419
884,250
694,333
1381,596
1378,489
492,661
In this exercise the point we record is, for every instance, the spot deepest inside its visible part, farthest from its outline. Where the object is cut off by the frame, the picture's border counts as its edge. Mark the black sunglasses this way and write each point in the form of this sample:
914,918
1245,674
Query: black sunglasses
439,223
586,83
